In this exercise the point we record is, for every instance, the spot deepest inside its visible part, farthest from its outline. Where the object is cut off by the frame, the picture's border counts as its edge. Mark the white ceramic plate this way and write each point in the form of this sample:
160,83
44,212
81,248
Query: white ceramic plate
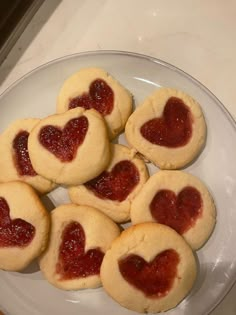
34,96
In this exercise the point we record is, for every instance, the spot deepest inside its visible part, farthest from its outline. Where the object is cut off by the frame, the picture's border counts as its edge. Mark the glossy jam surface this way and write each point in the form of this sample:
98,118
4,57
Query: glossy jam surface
21,154
179,212
16,232
99,97
117,184
63,143
155,279
173,129
73,261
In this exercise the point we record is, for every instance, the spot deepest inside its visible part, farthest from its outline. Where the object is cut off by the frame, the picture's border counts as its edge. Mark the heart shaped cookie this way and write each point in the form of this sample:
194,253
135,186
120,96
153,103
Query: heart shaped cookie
73,261
116,184
113,190
173,129
15,162
179,200
155,278
95,88
100,97
168,128
15,232
70,148
177,211
152,266
24,225
79,238
64,142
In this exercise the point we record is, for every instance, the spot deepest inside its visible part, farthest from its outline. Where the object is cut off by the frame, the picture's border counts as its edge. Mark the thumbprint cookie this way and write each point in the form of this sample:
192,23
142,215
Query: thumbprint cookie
24,225
169,128
95,88
149,268
113,190
79,238
179,200
15,163
70,148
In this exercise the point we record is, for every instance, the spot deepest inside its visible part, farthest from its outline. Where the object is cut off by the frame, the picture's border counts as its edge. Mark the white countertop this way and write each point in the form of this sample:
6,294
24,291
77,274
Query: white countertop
197,36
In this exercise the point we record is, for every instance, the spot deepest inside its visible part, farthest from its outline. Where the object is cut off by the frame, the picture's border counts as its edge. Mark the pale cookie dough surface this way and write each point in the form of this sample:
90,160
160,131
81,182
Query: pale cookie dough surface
9,171
175,181
92,155
119,211
24,203
99,231
79,83
161,156
147,240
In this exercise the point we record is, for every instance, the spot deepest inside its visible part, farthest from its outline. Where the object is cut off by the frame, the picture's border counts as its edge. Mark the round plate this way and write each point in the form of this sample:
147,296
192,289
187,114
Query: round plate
35,96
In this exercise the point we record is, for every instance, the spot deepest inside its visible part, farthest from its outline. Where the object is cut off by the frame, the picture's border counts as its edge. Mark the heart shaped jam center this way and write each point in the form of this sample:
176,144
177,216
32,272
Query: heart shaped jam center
99,97
173,129
15,232
73,261
117,184
179,212
155,279
21,155
64,143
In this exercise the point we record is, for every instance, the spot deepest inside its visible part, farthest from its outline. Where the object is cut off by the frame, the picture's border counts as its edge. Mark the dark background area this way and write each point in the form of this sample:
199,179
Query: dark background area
14,17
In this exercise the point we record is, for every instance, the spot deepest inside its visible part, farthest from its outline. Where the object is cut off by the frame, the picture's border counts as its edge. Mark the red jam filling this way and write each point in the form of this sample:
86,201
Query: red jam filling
63,143
155,279
73,261
99,97
117,184
15,232
21,155
173,129
179,212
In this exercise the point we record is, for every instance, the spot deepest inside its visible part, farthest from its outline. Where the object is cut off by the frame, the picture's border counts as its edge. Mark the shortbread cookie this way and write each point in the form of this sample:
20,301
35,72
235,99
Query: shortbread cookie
179,200
15,163
24,225
168,128
95,88
79,238
149,268
113,190
70,148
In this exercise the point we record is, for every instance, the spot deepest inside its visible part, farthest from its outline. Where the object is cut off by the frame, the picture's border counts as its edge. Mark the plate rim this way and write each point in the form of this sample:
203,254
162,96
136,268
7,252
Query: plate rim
129,54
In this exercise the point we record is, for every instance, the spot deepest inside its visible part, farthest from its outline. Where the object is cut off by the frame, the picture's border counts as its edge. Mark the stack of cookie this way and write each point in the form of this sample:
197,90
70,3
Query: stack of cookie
81,245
